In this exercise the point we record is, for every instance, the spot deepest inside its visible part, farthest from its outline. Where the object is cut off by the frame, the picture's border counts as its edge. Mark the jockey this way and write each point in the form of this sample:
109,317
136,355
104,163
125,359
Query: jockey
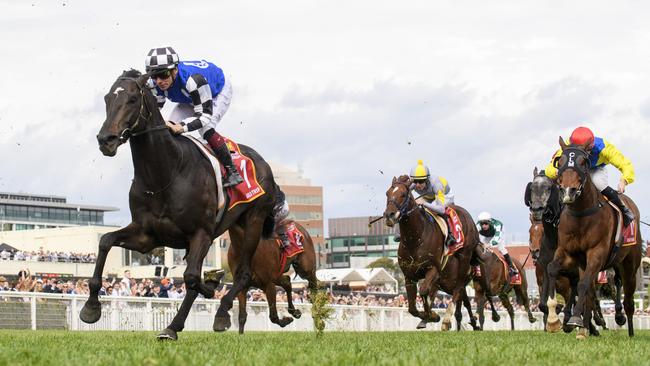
433,193
602,153
490,232
203,95
280,214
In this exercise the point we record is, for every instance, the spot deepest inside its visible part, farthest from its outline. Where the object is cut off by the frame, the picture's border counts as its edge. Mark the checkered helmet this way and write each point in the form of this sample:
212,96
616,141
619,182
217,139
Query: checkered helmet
161,58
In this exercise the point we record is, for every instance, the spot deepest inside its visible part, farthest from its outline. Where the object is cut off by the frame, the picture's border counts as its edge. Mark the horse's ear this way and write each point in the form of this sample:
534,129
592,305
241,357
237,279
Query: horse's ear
562,143
142,79
394,180
586,146
535,172
530,217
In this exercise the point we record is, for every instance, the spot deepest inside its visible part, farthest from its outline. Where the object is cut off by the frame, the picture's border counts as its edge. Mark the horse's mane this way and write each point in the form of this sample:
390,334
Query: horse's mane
132,73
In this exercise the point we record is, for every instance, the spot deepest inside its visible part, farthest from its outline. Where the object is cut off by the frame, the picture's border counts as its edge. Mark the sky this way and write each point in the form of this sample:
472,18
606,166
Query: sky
354,93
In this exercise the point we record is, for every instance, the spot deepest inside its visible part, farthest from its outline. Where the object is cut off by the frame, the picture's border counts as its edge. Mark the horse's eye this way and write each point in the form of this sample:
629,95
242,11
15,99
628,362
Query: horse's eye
132,99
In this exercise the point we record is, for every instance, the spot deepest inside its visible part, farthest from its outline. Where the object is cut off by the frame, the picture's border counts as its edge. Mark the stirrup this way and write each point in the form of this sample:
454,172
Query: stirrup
232,178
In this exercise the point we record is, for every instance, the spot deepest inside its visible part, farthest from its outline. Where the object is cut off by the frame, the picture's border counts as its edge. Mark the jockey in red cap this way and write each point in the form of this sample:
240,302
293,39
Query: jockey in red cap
601,153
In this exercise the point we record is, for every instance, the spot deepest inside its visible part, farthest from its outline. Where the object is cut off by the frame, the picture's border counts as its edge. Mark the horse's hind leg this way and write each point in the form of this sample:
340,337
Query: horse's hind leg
629,285
130,237
243,314
480,308
273,310
285,283
522,294
618,306
468,306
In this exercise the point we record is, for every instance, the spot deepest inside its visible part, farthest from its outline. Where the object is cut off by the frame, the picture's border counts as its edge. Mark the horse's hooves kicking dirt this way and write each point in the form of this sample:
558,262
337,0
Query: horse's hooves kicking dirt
91,312
167,335
221,323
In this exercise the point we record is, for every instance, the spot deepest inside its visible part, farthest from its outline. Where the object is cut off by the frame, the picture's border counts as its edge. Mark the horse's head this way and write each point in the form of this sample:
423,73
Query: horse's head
398,200
538,194
535,235
573,170
127,111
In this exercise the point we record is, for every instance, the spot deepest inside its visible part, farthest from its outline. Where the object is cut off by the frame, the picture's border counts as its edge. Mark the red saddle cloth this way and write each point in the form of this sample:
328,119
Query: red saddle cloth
629,233
249,189
602,277
514,279
456,229
294,248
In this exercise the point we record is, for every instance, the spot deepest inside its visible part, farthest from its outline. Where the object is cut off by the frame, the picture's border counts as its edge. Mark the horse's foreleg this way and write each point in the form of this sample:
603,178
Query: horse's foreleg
468,306
178,323
129,237
585,286
629,285
428,290
243,274
522,293
505,300
411,296
480,307
552,270
198,249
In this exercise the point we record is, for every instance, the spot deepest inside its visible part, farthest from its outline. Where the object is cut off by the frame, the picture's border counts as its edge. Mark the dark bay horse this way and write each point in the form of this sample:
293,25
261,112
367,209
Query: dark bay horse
499,283
267,274
173,200
420,255
586,239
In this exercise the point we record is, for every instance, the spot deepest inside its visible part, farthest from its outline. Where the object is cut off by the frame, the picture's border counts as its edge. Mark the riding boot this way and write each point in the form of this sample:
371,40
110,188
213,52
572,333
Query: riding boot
613,196
284,238
218,144
451,240
513,269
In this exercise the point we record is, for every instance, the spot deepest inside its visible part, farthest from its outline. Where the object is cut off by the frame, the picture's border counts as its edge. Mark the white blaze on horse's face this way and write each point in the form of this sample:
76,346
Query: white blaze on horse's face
118,90
395,189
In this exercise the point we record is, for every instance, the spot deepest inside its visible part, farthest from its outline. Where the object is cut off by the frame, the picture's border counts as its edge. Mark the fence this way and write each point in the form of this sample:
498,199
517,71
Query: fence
27,310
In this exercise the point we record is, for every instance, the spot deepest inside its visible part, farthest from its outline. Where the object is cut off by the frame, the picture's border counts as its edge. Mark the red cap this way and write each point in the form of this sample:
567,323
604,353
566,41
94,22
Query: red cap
581,136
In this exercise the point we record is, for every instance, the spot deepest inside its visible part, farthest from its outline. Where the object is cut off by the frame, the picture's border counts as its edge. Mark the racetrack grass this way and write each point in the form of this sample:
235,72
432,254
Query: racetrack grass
333,348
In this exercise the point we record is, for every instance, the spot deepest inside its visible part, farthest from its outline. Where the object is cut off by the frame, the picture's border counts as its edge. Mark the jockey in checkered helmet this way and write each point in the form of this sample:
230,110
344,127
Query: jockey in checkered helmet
203,95
601,153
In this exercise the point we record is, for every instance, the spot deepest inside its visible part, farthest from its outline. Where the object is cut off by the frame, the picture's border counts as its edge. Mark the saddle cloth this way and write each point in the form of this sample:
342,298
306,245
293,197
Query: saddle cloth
246,191
294,248
627,233
454,223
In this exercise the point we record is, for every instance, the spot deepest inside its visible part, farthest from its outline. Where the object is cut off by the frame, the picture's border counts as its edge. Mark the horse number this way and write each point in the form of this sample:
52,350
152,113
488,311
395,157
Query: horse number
199,64
243,169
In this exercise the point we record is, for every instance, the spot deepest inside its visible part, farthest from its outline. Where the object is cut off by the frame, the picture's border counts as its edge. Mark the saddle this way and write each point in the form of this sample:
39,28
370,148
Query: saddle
625,235
453,222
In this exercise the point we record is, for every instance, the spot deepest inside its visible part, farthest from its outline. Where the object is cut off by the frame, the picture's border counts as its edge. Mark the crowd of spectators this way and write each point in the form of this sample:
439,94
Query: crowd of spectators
47,256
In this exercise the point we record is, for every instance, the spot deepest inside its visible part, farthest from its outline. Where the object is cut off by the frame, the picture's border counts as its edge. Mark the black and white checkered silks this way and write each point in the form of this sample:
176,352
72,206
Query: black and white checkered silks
205,112
161,58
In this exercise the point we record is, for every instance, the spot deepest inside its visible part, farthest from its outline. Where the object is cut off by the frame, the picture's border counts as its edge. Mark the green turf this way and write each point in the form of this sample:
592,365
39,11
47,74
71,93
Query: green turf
334,348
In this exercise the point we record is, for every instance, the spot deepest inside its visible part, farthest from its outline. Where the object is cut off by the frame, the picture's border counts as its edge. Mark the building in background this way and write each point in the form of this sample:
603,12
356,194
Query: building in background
352,237
19,211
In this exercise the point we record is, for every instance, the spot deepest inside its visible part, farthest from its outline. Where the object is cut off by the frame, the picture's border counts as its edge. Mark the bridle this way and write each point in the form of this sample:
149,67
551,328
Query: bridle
128,131
403,208
572,153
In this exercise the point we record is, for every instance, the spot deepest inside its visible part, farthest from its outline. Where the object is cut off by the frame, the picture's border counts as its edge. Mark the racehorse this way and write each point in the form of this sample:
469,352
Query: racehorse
586,239
499,283
173,200
267,273
562,284
421,255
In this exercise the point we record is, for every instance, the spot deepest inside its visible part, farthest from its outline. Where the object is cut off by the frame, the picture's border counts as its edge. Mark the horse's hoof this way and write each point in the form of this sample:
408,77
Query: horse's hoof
496,317
241,330
582,334
594,332
91,312
553,327
221,323
283,322
576,320
167,335
446,325
532,319
568,328
435,317
600,322
620,319
421,325
295,313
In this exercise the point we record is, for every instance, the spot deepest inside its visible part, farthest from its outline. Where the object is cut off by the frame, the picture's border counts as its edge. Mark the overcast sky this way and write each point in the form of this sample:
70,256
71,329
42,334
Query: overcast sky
480,90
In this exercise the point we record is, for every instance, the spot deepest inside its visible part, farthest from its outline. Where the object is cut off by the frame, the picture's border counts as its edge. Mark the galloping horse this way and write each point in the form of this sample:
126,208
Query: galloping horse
173,200
420,255
499,283
586,238
267,273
